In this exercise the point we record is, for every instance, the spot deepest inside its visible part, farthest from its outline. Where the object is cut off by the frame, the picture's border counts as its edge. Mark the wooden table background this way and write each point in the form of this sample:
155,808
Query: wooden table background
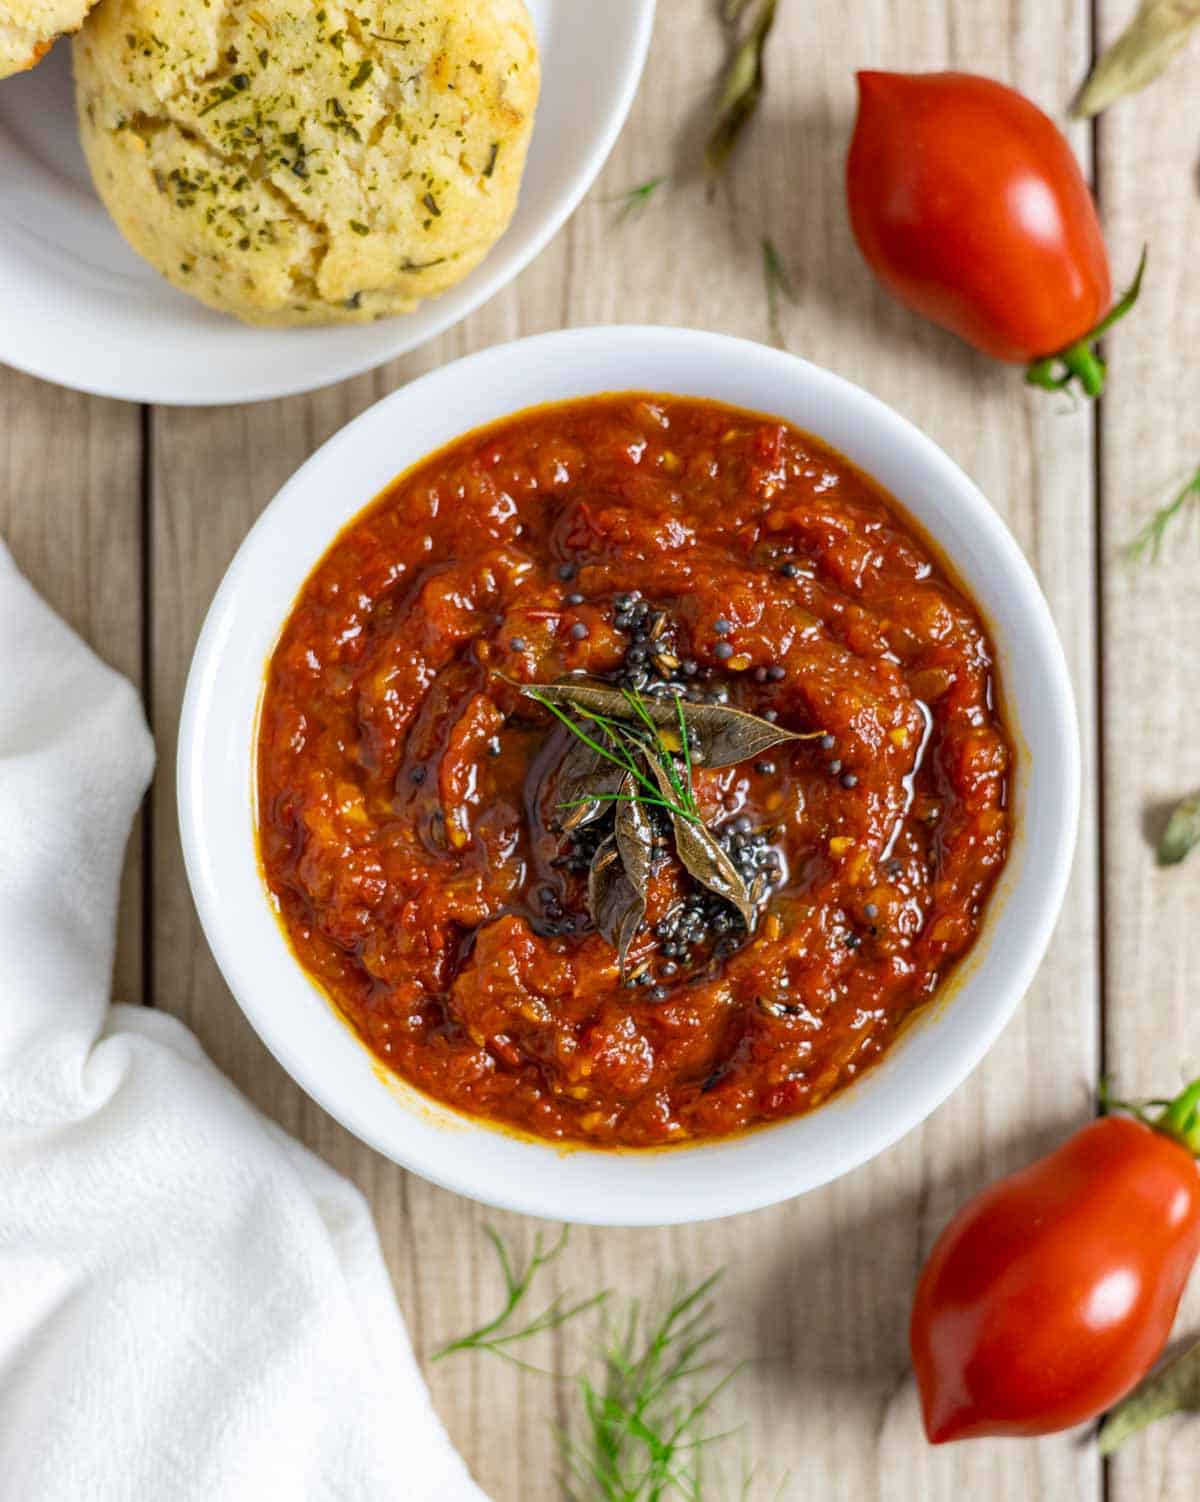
126,518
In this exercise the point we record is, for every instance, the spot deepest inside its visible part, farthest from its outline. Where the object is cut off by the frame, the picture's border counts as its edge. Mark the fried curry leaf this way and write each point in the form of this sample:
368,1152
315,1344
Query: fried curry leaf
712,868
616,905
1146,48
719,736
637,753
585,783
704,859
723,737
634,835
584,693
1174,1389
741,90
1182,833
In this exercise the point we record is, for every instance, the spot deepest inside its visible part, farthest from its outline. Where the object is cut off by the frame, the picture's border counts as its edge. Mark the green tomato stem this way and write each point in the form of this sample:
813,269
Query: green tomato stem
1080,361
1178,1119
1181,1119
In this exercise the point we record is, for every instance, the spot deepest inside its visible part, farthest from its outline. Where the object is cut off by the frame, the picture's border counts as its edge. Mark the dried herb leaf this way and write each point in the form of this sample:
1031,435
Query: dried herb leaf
1182,833
1174,1389
634,836
723,737
741,90
705,860
583,693
720,736
1146,48
616,906
712,868
584,783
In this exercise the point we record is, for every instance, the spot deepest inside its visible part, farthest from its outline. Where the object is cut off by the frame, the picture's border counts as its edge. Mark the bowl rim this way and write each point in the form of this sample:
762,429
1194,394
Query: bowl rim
933,1055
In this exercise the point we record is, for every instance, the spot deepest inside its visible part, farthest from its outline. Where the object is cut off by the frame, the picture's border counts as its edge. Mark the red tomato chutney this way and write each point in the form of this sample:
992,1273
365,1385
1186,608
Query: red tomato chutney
410,829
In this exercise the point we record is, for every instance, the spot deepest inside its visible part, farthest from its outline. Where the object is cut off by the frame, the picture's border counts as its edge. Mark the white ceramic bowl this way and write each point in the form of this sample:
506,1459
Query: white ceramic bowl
296,1021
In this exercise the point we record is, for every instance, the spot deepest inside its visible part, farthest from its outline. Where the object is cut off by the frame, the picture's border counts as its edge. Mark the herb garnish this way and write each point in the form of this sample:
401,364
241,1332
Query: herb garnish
778,284
742,87
1182,834
643,1434
493,1336
1148,543
636,754
634,201
1146,48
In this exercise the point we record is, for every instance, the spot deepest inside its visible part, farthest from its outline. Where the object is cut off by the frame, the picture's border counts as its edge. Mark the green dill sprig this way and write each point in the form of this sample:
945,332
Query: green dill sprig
625,746
654,742
494,1336
644,1423
634,201
778,285
1148,543
644,1430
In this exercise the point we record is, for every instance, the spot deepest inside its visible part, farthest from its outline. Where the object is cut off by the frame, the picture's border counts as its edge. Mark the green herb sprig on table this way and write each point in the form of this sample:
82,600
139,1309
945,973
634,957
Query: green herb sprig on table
646,1400
1148,544
634,201
500,1333
644,1429
778,286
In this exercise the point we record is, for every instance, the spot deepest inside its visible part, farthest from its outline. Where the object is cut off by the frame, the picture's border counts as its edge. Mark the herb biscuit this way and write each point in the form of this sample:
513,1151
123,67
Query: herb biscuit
295,164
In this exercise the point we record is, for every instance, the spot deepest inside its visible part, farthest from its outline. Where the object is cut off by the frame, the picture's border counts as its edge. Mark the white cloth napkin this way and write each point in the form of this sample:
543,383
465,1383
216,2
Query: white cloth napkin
191,1305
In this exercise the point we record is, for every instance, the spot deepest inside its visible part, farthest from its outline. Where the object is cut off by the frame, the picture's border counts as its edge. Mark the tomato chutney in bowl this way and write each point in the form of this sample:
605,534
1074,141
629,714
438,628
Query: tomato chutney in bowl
420,841
633,772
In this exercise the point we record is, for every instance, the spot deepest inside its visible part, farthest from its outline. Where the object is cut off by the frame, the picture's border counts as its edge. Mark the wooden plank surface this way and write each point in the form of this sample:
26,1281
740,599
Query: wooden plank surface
1151,649
817,1291
816,1294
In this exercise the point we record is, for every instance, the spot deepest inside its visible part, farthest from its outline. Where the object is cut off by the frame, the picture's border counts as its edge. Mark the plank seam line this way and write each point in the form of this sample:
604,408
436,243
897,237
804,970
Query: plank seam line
1100,685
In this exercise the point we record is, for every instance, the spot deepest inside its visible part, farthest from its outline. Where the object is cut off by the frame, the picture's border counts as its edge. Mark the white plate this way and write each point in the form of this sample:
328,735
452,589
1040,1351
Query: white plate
81,309
296,1021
